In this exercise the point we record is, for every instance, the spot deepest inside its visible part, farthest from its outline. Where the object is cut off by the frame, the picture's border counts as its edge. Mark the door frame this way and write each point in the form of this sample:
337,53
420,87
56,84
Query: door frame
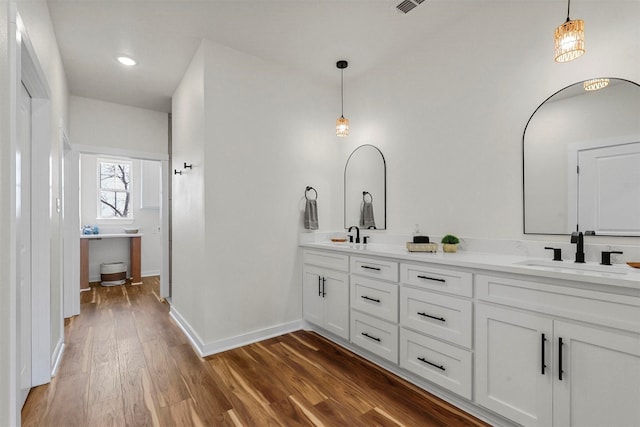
25,67
71,293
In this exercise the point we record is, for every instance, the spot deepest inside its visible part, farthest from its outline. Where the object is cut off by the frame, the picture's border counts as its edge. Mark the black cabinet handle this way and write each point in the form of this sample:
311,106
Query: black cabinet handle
324,280
560,372
370,268
435,279
370,337
319,292
370,299
542,365
423,360
442,319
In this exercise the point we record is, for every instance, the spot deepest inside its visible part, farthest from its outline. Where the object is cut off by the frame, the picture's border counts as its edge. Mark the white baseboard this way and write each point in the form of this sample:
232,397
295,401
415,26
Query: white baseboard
207,349
56,357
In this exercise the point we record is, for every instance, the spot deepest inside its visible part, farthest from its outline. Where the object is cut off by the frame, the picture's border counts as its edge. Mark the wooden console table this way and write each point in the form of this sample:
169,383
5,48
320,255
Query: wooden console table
134,255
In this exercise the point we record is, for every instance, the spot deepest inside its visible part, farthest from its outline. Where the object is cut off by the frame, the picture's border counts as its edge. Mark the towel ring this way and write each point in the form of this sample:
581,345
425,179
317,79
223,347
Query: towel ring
364,195
309,189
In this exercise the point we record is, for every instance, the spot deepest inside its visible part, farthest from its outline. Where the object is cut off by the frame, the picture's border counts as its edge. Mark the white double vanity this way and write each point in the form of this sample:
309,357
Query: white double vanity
511,339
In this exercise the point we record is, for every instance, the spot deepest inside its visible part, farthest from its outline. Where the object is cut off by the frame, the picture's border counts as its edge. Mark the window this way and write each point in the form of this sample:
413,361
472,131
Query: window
114,182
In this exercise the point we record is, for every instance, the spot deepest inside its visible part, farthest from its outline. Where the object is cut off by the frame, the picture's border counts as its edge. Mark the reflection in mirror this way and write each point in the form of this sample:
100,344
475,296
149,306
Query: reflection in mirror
582,162
365,189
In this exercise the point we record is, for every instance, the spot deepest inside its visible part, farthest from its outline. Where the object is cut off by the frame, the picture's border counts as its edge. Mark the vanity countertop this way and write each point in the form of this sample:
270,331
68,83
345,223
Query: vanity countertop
620,275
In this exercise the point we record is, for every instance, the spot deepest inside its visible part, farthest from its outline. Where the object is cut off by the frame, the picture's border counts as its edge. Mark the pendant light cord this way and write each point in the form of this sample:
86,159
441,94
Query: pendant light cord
342,92
568,8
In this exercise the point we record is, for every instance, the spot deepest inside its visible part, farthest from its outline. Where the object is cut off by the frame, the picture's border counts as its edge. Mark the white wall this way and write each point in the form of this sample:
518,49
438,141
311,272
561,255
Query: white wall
189,261
105,124
449,118
146,220
257,138
35,16
6,349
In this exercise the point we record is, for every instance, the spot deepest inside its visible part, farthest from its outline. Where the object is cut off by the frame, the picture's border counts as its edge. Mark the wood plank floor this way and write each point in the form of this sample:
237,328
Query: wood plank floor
127,364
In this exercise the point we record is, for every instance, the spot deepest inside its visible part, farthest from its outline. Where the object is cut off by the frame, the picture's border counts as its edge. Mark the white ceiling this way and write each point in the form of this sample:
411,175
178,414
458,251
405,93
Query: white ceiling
307,35
162,36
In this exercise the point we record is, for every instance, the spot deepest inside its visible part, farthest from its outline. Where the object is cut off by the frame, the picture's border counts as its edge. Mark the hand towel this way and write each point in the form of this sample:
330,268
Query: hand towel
366,216
311,215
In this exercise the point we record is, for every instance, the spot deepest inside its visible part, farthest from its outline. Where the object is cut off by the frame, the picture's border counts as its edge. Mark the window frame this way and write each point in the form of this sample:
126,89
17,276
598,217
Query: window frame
99,189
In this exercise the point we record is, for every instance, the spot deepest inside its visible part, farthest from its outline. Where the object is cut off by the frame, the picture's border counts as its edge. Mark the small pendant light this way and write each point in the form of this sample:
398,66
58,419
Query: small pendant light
569,39
342,124
595,84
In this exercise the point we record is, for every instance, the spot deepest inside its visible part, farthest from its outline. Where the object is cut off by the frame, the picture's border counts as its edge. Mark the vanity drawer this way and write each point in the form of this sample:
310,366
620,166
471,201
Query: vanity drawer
385,270
375,335
439,279
375,297
436,361
442,316
602,308
332,260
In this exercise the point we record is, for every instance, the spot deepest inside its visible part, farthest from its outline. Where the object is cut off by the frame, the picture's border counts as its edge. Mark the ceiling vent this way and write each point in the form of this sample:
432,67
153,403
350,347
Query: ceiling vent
408,5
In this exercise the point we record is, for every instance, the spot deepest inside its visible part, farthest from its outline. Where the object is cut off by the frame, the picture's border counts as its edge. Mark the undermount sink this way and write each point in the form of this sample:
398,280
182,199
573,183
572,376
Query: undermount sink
570,266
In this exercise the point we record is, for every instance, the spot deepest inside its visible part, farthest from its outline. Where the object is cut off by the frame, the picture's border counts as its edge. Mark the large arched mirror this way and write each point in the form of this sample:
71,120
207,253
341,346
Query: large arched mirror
365,189
581,161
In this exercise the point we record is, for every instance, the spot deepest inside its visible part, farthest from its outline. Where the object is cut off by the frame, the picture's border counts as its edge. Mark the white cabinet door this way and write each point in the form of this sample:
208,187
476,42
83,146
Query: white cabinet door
510,354
312,301
600,383
335,286
325,299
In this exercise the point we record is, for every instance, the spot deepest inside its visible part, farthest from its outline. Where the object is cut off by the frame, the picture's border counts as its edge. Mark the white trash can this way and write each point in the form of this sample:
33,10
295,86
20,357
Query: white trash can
113,273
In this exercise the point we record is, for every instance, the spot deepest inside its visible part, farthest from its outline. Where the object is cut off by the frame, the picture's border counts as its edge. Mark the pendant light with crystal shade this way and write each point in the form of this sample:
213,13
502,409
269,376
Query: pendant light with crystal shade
342,124
595,84
569,39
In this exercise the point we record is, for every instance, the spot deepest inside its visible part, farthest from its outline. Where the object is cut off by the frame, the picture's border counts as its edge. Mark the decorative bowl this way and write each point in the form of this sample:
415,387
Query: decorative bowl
131,230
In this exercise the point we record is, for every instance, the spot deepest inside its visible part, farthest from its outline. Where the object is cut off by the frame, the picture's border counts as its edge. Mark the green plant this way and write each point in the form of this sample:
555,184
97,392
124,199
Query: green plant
450,239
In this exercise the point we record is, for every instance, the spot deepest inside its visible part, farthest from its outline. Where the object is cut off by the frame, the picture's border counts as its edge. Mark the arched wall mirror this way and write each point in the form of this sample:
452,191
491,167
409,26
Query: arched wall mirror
581,162
365,189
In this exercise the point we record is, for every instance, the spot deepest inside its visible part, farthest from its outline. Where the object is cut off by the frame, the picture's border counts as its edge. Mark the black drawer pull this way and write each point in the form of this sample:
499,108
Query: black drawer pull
370,299
422,359
370,337
442,319
543,365
560,371
370,268
435,279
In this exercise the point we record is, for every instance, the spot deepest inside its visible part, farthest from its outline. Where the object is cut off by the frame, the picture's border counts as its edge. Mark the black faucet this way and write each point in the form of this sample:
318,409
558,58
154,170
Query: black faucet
357,234
578,238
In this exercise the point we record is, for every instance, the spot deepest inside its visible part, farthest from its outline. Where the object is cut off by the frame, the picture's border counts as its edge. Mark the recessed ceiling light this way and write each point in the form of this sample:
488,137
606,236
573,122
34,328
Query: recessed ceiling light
125,60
